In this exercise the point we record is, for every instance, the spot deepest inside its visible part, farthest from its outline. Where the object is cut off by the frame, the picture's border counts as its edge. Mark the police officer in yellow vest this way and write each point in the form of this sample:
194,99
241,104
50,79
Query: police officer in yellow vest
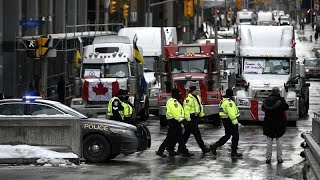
175,115
193,112
115,106
126,114
229,113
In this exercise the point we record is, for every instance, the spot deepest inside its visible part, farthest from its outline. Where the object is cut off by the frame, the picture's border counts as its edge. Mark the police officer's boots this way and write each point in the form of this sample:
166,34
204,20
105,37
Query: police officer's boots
214,147
235,154
205,150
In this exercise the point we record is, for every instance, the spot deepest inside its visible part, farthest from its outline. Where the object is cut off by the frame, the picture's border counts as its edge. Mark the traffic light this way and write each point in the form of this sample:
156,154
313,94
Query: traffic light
43,46
238,4
112,6
188,8
125,8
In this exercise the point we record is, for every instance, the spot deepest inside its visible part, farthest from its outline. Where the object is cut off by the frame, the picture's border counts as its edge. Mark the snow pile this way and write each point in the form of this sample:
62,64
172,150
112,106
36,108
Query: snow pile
45,156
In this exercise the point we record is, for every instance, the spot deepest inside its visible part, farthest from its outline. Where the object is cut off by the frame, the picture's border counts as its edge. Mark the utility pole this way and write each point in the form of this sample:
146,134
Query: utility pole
106,14
216,55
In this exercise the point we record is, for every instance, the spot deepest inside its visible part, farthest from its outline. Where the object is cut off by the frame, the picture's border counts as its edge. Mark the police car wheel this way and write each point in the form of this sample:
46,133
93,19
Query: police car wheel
96,148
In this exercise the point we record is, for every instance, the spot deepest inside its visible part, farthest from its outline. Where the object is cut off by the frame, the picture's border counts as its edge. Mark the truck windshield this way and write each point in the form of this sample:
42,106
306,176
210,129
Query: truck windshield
112,70
266,66
149,62
312,63
189,66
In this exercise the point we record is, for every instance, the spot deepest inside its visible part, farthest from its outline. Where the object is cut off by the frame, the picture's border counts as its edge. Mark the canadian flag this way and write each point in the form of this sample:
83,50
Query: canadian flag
99,89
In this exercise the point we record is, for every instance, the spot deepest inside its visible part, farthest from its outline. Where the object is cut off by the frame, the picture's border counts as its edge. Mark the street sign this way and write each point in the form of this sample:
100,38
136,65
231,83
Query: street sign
133,16
32,44
30,23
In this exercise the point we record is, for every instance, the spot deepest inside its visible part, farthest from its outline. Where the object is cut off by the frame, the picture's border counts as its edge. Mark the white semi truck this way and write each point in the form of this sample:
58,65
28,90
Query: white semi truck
244,17
107,66
152,40
266,58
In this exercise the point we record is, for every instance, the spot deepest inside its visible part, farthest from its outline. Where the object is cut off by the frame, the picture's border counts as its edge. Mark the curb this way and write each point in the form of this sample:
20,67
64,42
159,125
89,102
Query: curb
27,161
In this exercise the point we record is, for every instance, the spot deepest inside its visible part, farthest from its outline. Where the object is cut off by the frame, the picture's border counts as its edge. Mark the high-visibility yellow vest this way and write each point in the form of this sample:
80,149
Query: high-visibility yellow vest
127,110
229,109
191,106
110,105
174,110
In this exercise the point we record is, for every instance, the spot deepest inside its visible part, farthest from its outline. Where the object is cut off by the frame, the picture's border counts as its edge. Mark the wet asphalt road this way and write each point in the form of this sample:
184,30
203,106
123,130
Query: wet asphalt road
147,165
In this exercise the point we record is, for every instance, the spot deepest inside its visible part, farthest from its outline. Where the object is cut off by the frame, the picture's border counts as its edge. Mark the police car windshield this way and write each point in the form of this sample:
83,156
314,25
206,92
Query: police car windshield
70,111
112,70
189,66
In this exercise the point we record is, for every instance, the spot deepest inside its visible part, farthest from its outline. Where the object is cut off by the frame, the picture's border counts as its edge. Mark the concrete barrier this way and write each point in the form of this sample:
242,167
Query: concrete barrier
42,131
312,149
316,127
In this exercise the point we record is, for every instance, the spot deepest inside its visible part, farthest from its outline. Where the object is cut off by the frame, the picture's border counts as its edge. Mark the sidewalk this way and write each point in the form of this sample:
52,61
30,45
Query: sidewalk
306,35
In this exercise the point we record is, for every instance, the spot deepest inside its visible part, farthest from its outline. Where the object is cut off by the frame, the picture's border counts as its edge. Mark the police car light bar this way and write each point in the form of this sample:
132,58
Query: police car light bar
31,98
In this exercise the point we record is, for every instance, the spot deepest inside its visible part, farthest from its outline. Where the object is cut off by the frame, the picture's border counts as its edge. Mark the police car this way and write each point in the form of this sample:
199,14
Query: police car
102,139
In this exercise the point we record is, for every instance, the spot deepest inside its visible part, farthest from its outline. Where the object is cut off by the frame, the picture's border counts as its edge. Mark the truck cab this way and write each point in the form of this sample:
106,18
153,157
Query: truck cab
107,66
191,65
266,57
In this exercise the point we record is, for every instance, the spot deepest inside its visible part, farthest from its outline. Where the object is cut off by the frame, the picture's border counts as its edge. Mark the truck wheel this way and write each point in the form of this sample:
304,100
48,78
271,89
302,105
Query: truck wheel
302,108
214,120
145,111
96,148
163,121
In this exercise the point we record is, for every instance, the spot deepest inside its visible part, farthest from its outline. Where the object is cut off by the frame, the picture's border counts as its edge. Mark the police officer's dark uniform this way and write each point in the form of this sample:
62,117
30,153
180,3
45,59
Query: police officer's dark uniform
229,113
193,110
174,115
115,106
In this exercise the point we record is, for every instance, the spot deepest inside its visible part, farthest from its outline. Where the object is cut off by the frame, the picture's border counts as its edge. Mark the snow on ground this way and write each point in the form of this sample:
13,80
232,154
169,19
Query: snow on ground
43,155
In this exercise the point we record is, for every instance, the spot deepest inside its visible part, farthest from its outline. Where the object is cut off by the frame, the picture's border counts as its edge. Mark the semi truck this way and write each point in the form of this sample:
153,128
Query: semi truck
152,40
266,58
244,17
227,54
191,65
107,66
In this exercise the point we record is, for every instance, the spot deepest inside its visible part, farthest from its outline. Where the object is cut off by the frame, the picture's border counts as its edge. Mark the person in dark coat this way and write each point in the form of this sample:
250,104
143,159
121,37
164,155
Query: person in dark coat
274,125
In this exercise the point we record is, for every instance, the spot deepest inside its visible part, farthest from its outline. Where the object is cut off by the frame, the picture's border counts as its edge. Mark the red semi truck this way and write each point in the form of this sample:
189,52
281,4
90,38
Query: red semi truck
191,65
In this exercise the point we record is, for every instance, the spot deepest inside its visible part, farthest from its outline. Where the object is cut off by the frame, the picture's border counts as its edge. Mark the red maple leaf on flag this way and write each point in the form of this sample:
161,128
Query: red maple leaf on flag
100,89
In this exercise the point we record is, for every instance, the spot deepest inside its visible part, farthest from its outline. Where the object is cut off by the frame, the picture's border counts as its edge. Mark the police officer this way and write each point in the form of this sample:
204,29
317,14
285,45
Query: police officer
229,113
193,112
126,114
175,115
115,106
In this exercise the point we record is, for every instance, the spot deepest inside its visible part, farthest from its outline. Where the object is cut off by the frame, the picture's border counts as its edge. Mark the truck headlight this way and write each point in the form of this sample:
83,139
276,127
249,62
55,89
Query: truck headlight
243,102
307,70
122,131
291,102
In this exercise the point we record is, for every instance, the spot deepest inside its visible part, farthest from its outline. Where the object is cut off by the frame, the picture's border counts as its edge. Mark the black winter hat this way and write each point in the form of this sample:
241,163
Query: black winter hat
175,91
229,92
192,88
121,92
